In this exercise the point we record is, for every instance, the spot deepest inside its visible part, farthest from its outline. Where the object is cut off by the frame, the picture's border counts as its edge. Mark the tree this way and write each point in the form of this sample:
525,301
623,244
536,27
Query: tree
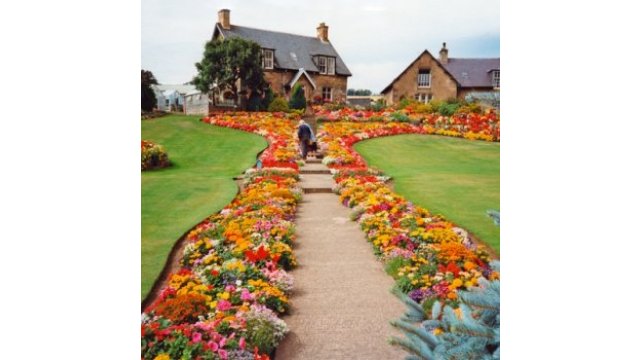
359,92
224,62
148,96
297,100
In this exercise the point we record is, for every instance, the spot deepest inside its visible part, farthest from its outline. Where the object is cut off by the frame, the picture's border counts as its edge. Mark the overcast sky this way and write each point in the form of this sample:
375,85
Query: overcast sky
377,39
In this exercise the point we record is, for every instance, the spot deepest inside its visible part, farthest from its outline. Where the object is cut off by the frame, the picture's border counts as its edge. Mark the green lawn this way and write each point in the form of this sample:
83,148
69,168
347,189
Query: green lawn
205,158
457,178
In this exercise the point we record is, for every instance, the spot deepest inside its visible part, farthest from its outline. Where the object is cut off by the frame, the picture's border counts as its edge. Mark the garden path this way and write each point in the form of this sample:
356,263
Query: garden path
341,305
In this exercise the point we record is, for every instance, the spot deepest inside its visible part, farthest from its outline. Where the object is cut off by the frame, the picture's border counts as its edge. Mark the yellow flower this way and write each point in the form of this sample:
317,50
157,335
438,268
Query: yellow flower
437,331
162,356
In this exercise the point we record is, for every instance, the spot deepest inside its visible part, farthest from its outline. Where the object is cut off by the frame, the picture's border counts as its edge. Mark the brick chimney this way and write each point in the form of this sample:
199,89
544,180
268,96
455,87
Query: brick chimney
444,53
223,19
323,32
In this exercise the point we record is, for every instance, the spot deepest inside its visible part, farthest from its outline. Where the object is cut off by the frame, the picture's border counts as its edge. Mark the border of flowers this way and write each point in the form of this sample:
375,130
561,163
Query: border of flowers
429,257
233,276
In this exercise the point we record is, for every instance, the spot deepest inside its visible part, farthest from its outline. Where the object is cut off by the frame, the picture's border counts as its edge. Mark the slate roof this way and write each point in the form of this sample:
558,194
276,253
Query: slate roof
292,52
466,72
424,53
182,89
473,72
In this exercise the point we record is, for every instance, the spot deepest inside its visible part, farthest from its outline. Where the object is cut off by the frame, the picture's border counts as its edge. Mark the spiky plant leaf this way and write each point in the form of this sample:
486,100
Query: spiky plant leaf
414,311
436,310
410,347
420,332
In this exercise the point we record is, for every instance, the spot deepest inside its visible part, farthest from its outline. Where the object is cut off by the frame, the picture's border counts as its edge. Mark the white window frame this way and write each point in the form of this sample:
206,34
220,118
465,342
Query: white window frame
495,80
331,66
322,64
267,58
330,94
422,97
421,80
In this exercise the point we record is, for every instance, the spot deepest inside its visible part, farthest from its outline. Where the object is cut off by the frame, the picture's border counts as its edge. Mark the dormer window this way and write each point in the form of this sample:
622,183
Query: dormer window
424,78
267,59
495,78
326,65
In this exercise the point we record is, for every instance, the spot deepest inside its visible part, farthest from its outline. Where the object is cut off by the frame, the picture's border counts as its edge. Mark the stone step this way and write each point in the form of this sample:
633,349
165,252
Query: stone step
316,181
314,166
317,190
313,161
317,172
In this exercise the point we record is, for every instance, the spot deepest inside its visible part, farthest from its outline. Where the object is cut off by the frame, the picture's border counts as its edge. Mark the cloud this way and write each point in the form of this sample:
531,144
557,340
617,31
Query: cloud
371,8
374,38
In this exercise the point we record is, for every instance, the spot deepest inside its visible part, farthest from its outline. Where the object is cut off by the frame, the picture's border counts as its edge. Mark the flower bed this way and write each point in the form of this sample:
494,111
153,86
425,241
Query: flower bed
153,156
233,283
473,126
429,257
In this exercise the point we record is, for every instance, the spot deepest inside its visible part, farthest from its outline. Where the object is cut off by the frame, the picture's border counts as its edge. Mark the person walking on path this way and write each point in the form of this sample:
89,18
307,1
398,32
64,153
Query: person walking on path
306,137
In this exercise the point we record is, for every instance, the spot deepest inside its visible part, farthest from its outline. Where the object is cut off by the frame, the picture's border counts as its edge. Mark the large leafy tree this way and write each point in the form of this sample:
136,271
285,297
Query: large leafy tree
148,96
226,61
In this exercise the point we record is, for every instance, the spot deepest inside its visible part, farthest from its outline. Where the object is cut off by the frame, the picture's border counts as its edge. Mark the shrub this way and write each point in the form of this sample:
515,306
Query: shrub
254,103
266,99
398,116
448,109
472,331
378,105
279,104
153,156
423,109
297,100
404,103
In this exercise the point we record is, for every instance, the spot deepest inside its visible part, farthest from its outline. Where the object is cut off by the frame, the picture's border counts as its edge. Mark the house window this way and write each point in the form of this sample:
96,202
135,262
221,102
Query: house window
322,64
424,78
267,59
423,98
327,94
326,65
166,102
331,66
496,78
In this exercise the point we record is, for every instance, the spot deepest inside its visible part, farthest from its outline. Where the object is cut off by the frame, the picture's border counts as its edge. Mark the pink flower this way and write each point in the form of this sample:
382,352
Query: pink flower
246,295
242,343
213,345
197,337
223,354
223,305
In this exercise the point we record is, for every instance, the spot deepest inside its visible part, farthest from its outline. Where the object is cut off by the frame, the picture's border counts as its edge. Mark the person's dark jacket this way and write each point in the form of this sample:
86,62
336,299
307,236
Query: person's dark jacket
304,132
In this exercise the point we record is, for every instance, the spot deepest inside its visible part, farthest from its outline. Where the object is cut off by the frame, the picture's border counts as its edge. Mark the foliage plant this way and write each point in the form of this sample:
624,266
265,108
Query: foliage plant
297,100
224,62
279,104
470,330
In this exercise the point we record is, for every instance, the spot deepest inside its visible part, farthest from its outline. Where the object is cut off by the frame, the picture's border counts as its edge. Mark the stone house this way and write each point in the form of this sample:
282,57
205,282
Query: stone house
429,78
290,59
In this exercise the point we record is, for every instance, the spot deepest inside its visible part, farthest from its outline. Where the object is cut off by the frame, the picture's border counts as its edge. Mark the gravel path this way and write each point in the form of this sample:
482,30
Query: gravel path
341,305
